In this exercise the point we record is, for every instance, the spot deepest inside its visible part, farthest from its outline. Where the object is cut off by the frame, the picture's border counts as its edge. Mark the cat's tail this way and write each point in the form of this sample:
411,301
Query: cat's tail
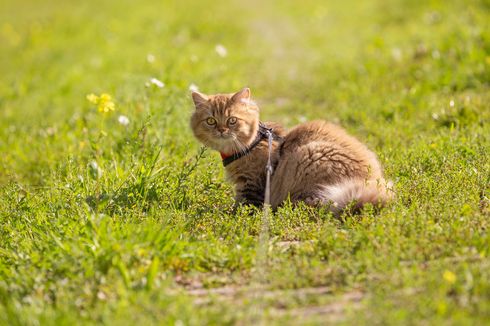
353,194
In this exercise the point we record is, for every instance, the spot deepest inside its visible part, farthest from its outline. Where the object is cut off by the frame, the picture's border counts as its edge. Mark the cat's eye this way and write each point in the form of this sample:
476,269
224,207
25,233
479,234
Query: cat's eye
211,121
232,121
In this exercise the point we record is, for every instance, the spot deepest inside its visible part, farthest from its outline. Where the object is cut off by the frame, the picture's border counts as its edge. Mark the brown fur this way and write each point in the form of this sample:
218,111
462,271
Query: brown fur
317,162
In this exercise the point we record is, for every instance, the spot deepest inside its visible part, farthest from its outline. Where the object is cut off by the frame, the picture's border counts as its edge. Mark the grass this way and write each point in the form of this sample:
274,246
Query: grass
102,223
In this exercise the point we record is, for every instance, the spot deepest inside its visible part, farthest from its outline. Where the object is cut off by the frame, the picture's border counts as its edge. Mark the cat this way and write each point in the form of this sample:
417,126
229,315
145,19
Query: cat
316,162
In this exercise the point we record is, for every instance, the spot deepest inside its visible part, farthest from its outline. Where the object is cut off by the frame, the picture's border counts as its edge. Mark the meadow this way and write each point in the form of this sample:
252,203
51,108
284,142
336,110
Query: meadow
121,218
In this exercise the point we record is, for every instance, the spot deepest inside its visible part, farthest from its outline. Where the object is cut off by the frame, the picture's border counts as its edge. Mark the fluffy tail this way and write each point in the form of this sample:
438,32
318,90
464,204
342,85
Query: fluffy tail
353,194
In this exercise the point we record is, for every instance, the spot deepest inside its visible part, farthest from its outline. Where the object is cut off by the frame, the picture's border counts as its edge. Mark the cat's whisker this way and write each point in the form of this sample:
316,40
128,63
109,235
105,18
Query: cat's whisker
236,147
240,146
235,144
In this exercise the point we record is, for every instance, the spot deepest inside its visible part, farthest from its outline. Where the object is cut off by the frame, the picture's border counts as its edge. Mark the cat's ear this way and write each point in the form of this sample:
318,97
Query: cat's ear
242,96
199,99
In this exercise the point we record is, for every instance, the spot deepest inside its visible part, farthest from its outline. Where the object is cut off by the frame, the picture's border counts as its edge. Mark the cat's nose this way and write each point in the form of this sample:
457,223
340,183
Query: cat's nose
222,129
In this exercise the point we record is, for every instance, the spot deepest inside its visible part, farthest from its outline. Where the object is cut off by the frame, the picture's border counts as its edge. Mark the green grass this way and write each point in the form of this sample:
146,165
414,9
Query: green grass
141,236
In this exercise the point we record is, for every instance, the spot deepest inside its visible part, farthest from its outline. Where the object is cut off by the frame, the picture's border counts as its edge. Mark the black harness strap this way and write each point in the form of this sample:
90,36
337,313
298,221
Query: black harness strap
261,135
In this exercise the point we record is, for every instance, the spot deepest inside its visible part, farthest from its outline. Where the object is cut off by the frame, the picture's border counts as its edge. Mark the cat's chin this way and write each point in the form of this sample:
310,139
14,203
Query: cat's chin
223,145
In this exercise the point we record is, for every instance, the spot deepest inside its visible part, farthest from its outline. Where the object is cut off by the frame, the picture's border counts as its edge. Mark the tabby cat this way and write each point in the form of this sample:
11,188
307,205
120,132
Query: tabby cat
316,162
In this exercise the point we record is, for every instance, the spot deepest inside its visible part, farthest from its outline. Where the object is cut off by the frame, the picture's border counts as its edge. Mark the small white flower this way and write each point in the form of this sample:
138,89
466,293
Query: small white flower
221,50
101,295
451,103
94,165
157,83
124,120
95,170
51,131
396,53
150,58
193,88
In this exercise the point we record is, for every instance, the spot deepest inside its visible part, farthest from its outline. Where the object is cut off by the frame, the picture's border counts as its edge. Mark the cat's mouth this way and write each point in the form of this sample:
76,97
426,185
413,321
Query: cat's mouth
224,143
224,140
223,136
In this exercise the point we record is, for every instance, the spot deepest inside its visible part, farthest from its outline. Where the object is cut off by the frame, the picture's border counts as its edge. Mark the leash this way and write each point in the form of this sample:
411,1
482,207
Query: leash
260,276
268,170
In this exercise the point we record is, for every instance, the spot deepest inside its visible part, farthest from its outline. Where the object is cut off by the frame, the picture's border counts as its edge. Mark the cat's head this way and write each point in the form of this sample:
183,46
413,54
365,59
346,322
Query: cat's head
225,122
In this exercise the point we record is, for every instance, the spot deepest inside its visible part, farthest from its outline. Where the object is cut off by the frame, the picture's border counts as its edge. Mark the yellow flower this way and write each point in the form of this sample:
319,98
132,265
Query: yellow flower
449,276
92,98
104,97
104,102
106,107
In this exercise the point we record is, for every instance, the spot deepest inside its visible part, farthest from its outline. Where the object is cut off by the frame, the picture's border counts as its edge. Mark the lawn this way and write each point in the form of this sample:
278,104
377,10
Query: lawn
121,217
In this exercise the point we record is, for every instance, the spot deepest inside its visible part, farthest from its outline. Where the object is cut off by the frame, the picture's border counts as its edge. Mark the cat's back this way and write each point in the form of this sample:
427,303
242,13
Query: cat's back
318,130
322,138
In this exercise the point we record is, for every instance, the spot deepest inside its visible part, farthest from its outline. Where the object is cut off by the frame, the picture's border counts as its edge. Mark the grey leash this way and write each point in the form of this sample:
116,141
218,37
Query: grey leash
260,277
268,169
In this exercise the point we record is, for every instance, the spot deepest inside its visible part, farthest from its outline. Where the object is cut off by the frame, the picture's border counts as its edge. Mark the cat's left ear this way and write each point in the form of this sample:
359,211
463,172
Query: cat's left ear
242,96
199,99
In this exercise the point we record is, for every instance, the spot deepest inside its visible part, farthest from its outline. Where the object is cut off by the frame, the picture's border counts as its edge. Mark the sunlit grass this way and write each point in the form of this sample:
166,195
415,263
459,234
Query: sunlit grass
111,213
